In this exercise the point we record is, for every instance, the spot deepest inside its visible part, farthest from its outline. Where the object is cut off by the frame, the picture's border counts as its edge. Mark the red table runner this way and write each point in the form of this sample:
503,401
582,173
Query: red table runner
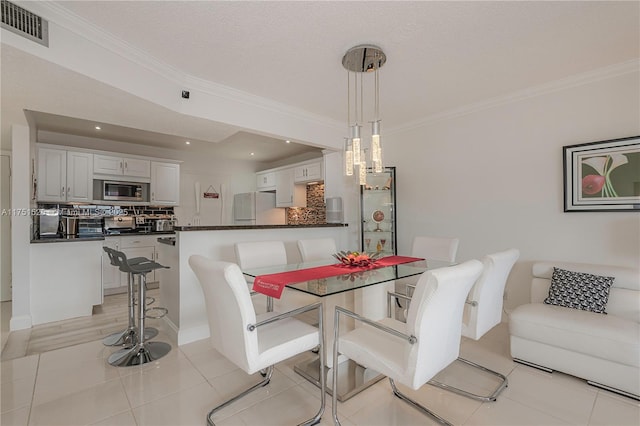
273,284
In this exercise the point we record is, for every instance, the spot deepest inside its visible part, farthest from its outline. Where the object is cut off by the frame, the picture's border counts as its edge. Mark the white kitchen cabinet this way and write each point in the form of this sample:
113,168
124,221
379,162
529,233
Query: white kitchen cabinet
65,280
121,166
64,175
165,183
266,181
79,176
288,194
311,172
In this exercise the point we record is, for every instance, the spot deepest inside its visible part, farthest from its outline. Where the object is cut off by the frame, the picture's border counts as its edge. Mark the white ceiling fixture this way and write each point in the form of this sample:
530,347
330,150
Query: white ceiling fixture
358,61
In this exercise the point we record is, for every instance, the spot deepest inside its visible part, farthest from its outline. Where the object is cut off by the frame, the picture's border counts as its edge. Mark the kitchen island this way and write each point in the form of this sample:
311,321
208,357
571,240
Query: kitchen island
180,291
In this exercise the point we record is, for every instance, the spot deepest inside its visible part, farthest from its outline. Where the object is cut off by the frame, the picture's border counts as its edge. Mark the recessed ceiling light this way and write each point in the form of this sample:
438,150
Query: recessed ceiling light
188,142
98,127
288,141
252,154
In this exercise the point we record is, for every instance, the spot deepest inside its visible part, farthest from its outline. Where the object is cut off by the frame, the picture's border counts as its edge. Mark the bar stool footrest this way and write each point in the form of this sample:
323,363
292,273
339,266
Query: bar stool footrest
161,313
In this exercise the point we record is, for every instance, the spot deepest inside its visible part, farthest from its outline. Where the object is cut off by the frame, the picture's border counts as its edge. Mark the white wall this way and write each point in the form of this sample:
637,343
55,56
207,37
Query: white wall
494,179
20,228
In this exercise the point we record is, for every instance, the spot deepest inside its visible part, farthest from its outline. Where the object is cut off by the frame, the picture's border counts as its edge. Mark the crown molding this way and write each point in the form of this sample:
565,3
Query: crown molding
604,73
59,15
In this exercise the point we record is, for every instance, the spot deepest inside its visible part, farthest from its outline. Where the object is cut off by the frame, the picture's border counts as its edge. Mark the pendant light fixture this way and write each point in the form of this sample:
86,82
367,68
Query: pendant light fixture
358,61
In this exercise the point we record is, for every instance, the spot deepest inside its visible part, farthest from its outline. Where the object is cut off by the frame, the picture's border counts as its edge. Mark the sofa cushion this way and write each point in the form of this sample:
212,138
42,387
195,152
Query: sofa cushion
579,290
604,336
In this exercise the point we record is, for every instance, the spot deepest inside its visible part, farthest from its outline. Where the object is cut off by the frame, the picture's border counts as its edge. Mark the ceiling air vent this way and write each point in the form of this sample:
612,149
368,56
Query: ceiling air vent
25,23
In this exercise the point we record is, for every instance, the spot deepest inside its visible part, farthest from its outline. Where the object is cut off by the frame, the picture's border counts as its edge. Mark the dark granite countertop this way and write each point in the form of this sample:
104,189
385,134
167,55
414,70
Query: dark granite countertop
236,227
67,239
100,237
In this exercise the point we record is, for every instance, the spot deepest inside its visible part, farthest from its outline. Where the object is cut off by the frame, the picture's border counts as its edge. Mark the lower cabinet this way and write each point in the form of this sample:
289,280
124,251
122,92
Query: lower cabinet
114,281
64,280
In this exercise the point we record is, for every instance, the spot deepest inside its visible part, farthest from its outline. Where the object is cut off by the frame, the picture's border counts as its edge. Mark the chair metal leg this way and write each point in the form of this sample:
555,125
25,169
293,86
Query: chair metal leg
264,382
267,377
485,398
322,374
416,405
334,388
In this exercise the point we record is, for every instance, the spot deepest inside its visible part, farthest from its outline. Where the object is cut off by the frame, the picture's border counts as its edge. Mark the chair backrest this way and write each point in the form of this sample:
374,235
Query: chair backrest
113,259
487,293
229,310
317,249
435,248
435,318
260,254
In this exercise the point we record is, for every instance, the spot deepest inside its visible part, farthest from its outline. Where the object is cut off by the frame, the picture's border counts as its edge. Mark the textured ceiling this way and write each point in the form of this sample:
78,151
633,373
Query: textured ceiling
441,56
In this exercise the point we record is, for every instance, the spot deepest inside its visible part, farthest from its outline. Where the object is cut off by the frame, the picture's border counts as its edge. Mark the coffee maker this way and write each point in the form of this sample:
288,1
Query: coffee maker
48,223
69,225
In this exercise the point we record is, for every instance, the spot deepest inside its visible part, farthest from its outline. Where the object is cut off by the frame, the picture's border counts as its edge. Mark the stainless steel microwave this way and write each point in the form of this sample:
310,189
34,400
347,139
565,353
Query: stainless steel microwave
124,191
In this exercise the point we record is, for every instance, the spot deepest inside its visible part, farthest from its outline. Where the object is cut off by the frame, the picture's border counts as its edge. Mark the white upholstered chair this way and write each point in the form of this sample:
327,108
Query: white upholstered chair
317,249
412,353
260,254
483,311
435,248
255,343
430,248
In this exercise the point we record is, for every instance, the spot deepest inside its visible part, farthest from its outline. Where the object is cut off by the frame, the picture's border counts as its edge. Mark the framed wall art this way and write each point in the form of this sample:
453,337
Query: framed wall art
602,176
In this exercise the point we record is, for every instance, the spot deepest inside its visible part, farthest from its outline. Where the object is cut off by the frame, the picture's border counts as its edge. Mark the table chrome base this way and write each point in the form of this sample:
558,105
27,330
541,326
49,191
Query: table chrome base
139,354
352,377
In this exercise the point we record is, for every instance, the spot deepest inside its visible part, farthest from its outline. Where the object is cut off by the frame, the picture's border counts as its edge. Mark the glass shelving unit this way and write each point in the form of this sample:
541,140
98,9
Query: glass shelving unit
378,212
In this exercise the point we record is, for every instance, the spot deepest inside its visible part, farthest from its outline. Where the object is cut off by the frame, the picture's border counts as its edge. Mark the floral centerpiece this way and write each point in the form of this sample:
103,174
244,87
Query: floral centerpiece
354,258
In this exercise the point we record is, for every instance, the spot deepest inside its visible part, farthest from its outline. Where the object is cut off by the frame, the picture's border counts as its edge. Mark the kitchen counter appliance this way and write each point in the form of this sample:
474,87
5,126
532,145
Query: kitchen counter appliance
117,224
69,225
123,191
48,223
257,208
162,225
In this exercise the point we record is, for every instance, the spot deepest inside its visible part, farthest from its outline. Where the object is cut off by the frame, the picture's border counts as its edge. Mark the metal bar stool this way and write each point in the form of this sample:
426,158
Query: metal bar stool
142,352
129,336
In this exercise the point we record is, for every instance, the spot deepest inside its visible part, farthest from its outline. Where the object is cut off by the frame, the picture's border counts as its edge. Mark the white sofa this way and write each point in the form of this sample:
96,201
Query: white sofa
603,349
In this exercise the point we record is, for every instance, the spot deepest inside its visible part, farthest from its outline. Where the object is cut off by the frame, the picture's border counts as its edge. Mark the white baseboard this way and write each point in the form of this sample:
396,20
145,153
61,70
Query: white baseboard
21,322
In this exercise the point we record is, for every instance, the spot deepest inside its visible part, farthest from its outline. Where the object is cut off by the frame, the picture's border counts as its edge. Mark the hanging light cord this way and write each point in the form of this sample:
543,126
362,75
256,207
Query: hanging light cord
377,96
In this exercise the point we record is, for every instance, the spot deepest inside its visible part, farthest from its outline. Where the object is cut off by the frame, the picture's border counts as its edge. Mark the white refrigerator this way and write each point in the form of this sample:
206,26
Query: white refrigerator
257,208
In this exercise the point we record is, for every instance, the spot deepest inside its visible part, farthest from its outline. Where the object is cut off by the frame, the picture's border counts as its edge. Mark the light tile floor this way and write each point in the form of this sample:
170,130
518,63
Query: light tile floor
76,386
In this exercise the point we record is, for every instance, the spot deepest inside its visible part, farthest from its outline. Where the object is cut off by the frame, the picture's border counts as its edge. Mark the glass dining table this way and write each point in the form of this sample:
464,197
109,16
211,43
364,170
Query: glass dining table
362,291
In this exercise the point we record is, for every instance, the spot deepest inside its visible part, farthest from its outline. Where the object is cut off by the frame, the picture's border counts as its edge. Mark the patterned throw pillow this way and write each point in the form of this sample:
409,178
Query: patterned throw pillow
579,290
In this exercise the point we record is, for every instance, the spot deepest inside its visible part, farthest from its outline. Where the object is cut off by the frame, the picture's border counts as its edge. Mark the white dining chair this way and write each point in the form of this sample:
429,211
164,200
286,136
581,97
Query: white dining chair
435,248
255,343
431,248
260,254
411,353
317,249
483,311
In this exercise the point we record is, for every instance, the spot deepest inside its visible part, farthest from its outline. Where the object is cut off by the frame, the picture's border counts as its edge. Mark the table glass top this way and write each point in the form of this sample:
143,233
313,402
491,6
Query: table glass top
349,280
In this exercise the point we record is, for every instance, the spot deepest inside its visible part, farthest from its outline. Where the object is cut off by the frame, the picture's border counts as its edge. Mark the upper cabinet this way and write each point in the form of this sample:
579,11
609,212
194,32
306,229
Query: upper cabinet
64,175
266,181
308,172
288,194
121,166
165,183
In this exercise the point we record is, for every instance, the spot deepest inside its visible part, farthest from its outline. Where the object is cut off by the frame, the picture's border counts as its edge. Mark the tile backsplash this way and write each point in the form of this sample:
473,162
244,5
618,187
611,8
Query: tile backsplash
314,213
